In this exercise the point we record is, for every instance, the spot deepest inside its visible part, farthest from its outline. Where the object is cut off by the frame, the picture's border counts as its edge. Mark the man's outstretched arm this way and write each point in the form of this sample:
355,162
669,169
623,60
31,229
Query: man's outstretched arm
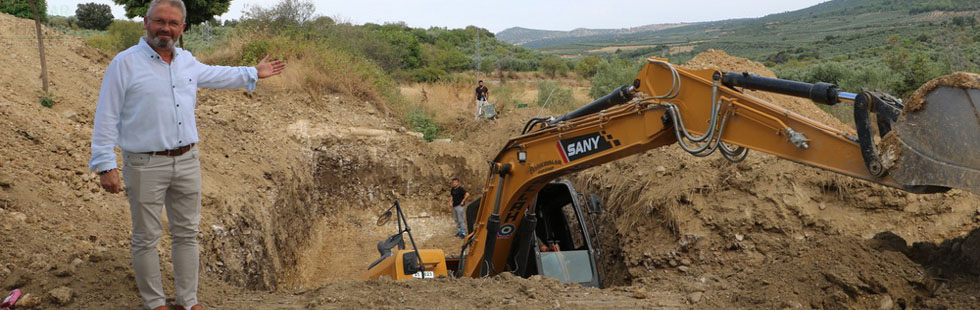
237,77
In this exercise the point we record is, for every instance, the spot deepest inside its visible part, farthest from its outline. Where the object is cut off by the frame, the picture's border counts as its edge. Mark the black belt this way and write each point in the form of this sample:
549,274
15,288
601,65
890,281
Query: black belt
174,152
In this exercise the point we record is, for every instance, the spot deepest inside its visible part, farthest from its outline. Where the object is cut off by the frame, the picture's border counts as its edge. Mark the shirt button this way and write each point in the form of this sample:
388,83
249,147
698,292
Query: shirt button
178,105
180,123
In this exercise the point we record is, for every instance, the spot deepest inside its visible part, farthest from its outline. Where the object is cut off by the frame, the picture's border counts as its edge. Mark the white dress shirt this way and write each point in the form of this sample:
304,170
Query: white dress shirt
147,105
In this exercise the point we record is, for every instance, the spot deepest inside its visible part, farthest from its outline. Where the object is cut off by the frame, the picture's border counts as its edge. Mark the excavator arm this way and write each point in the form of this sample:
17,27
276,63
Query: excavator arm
704,112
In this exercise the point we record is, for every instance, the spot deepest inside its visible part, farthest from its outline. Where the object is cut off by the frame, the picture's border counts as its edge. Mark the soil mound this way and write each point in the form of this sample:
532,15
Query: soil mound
719,60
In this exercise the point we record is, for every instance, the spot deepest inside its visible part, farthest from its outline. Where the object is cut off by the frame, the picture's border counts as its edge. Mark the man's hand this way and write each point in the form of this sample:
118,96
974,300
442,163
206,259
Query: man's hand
268,68
110,181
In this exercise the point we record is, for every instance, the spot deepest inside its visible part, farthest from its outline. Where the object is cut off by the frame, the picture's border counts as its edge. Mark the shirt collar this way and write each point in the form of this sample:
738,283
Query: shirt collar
145,47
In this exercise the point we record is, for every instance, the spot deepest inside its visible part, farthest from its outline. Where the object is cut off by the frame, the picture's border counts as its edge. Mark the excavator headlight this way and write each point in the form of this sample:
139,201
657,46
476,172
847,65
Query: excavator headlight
522,156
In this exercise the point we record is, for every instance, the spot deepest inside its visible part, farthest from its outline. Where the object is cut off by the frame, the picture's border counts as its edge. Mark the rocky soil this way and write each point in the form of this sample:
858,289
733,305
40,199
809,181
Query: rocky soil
292,185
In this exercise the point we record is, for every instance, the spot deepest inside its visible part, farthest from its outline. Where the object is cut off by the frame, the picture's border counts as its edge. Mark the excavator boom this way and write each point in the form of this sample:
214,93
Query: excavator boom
704,111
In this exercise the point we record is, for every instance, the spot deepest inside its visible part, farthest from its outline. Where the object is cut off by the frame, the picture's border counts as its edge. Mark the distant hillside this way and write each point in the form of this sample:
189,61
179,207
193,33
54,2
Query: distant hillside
833,28
522,36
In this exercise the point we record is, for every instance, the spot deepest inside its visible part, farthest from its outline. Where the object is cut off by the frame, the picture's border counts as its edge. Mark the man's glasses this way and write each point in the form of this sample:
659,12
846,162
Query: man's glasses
163,23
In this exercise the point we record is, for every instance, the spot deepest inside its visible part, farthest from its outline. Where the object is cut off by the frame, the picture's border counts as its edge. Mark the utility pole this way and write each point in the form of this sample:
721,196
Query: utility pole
40,46
479,62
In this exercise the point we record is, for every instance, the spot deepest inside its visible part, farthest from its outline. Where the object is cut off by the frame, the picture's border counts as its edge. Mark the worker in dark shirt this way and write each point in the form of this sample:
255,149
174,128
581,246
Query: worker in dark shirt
459,196
482,97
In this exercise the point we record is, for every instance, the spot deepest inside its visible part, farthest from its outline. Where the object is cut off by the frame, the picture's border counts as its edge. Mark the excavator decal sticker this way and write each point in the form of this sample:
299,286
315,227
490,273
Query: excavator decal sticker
505,231
574,148
544,166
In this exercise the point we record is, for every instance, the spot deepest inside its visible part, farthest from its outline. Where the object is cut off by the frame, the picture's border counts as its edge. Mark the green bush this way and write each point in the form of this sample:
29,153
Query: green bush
504,97
445,57
613,74
47,102
557,98
427,75
553,65
587,67
255,50
422,122
61,22
912,63
119,36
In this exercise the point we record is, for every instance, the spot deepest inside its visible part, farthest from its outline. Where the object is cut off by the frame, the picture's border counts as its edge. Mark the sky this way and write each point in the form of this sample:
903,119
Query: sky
497,15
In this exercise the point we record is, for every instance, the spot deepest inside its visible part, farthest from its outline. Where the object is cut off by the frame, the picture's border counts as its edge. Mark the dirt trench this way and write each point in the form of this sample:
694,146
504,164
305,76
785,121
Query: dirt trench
292,186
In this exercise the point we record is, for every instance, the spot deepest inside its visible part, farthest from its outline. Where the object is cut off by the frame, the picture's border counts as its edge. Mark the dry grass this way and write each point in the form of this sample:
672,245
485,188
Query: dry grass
451,102
448,102
314,67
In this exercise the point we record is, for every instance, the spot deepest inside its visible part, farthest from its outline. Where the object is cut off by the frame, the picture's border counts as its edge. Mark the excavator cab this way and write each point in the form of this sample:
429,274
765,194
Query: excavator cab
555,241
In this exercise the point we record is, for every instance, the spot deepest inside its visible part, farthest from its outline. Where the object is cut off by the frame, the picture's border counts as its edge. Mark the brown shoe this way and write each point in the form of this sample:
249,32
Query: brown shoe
162,308
194,307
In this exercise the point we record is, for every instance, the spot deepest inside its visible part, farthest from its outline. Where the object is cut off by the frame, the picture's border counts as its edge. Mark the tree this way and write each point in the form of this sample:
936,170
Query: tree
285,13
22,8
553,65
587,67
613,74
198,11
94,16
908,59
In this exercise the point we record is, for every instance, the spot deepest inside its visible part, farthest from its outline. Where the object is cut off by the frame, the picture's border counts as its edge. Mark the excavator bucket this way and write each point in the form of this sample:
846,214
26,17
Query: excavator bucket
938,136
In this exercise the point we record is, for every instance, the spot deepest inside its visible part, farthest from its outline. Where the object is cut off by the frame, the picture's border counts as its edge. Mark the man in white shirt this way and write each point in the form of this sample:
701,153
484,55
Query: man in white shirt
146,107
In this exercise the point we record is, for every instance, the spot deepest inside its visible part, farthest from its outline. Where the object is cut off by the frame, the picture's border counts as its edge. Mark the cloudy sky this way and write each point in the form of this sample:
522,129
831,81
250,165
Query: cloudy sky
498,15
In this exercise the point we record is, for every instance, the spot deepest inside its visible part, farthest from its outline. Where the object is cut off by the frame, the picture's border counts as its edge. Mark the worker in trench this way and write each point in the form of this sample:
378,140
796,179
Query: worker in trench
482,97
146,108
459,197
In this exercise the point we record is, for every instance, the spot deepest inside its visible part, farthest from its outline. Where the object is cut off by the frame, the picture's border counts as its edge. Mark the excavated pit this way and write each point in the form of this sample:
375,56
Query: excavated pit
292,186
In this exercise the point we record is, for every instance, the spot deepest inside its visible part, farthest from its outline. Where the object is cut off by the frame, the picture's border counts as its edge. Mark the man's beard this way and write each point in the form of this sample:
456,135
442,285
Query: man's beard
162,43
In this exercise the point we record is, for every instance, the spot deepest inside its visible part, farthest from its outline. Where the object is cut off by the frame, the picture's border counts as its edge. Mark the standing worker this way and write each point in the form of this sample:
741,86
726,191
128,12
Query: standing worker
459,196
482,96
146,108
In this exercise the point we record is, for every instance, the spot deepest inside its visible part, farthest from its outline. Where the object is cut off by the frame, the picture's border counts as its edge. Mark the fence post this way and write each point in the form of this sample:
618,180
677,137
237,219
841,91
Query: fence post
40,46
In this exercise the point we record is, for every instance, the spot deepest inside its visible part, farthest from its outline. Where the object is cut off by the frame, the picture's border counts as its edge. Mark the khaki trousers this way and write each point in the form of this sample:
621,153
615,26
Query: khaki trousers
152,183
459,215
479,108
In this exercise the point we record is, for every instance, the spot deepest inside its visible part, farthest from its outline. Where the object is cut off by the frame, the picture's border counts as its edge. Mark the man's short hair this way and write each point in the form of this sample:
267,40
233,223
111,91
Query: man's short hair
481,81
455,179
175,3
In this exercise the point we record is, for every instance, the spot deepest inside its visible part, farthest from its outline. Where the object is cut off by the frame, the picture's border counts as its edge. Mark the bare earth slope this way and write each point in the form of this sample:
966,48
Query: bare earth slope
279,167
292,185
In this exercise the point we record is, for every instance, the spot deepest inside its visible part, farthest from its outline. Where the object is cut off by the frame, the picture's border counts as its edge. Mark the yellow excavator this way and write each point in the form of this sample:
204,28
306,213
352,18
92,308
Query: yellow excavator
527,223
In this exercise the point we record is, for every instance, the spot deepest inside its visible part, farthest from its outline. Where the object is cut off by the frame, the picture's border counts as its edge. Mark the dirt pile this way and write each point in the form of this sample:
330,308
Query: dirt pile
487,137
764,233
719,60
501,292
958,79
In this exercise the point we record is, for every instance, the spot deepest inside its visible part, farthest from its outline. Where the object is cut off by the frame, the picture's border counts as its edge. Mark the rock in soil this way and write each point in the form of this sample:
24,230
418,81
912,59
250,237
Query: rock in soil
60,296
